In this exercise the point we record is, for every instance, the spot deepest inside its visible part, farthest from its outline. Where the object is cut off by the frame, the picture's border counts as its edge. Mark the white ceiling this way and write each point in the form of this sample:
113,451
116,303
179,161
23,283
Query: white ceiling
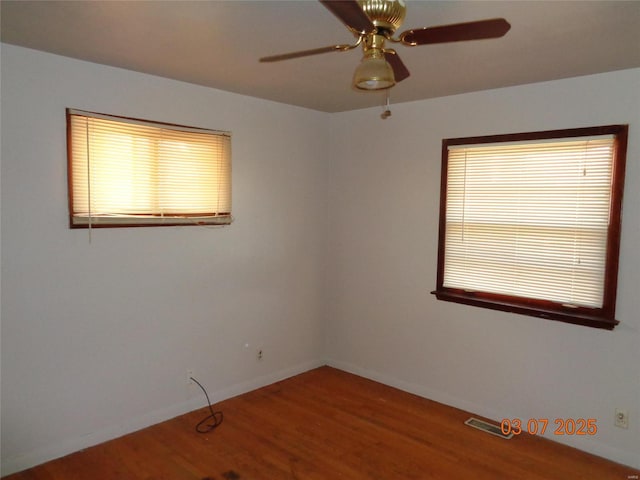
218,44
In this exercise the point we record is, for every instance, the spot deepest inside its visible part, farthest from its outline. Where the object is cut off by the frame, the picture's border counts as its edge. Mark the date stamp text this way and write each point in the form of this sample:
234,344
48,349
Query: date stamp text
560,426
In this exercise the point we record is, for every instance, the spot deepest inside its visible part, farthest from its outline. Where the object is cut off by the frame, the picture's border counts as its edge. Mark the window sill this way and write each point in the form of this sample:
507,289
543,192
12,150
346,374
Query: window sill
80,221
577,318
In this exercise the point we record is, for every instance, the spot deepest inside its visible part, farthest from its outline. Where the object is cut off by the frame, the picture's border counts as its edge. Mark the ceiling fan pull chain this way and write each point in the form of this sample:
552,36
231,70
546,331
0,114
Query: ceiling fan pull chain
387,112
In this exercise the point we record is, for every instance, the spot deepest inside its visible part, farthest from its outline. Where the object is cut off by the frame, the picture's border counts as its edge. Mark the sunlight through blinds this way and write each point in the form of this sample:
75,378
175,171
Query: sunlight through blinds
130,171
530,219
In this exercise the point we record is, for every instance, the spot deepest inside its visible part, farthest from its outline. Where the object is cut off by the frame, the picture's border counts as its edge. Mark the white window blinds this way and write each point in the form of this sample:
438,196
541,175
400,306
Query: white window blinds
530,219
134,172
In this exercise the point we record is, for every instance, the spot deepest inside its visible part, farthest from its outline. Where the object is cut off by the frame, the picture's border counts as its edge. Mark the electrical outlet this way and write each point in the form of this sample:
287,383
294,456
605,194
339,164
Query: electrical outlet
259,354
189,377
622,418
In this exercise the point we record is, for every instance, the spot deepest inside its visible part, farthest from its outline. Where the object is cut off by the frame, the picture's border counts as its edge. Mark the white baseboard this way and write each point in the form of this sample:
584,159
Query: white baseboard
62,448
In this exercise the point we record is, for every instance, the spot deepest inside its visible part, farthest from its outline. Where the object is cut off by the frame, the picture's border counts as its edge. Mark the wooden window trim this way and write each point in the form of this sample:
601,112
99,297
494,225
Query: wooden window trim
604,317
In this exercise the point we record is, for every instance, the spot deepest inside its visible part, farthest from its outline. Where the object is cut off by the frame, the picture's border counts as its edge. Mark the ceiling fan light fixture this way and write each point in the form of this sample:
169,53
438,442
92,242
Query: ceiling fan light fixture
374,72
374,22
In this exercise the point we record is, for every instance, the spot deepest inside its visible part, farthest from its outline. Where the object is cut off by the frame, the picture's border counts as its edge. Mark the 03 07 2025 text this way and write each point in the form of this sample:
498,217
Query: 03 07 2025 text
538,426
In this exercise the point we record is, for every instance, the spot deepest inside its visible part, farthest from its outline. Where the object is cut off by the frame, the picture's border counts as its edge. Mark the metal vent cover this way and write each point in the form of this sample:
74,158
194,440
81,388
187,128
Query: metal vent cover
487,427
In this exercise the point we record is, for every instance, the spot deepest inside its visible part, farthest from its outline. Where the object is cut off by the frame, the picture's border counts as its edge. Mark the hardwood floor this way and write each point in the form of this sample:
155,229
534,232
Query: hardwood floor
327,424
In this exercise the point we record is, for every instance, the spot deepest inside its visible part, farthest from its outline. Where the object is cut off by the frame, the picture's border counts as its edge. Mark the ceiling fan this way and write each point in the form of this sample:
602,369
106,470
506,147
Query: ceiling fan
374,23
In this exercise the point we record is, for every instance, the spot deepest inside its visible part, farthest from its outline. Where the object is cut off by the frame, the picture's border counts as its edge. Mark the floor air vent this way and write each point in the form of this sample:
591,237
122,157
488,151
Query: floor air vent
487,427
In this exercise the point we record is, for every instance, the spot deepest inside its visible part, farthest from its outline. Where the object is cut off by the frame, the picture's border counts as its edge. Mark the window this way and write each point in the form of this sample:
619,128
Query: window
530,223
128,172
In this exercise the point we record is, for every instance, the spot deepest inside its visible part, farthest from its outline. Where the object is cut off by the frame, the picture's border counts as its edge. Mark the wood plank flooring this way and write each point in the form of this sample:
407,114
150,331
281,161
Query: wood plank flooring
325,425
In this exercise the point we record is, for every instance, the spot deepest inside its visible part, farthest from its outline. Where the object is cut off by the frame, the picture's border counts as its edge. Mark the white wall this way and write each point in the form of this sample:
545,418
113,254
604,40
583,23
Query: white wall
385,324
97,338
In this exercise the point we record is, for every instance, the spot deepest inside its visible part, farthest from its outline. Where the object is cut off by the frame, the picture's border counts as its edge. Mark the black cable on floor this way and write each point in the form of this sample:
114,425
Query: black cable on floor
214,417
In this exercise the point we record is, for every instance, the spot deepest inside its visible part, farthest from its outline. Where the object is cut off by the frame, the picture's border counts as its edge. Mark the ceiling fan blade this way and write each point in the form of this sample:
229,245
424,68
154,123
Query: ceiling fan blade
305,53
400,71
350,13
494,28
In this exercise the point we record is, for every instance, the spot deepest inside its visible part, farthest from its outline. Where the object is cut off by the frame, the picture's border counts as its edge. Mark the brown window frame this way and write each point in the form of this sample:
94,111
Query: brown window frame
604,317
